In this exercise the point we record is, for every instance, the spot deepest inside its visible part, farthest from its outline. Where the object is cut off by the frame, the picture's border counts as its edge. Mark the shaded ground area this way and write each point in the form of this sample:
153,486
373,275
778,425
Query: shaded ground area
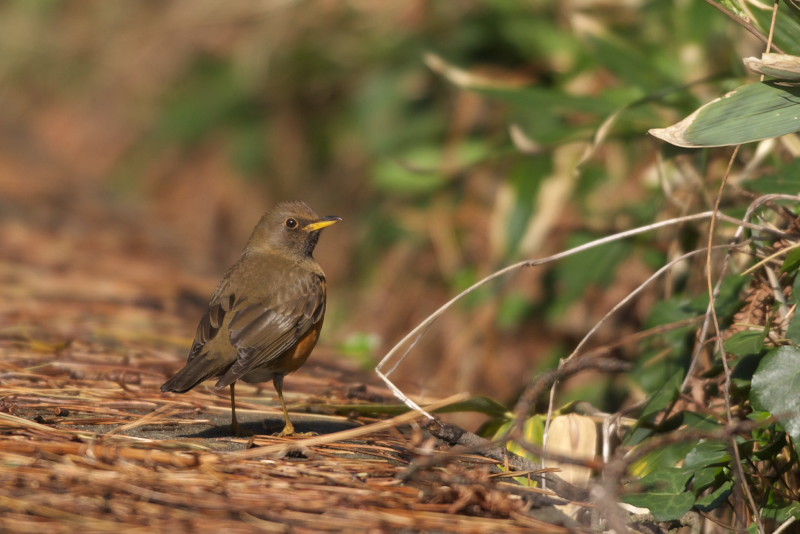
87,440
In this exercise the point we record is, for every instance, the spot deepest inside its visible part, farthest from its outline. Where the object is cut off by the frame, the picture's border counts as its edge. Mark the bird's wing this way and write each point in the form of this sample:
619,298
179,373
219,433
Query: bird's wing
263,329
222,302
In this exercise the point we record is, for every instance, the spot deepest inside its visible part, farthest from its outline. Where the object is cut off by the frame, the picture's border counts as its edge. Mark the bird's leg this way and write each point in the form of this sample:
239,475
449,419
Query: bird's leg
288,429
234,423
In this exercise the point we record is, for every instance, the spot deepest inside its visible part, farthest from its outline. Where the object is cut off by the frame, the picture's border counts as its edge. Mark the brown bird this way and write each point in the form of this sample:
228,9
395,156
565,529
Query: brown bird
265,316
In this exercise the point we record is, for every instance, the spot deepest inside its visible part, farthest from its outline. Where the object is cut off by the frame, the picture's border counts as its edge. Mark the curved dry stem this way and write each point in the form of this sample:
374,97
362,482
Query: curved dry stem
751,209
628,298
712,311
395,357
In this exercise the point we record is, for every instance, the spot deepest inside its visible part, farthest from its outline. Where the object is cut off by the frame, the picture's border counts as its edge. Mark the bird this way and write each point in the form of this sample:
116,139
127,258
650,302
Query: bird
265,316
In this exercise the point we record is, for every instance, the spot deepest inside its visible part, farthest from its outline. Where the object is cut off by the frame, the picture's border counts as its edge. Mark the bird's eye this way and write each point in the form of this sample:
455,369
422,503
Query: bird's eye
291,223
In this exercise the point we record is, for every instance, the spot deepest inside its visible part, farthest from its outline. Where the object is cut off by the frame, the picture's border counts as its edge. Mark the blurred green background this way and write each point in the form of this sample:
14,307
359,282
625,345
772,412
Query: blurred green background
446,134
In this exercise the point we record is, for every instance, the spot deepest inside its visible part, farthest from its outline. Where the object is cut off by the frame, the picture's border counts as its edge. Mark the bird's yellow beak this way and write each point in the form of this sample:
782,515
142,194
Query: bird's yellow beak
322,223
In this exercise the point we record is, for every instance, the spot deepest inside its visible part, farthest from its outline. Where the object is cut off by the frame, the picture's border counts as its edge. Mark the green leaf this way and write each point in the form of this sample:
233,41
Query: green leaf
785,180
416,173
748,113
533,432
745,342
706,453
580,272
775,388
513,309
729,300
796,290
247,149
483,405
716,498
699,421
663,397
759,416
211,97
550,99
665,457
787,26
666,496
420,169
771,449
362,347
792,260
548,115
670,455
480,404
705,477
744,369
780,512
793,330
630,62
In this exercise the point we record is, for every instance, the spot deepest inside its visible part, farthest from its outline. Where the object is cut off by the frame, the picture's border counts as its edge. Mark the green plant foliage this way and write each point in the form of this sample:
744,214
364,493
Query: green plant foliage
665,496
750,113
708,477
581,272
716,498
785,181
480,404
532,432
787,26
687,474
796,289
770,440
362,347
476,117
649,85
729,299
382,103
775,385
480,296
513,309
670,455
671,311
662,397
706,453
792,261
743,369
525,179
793,331
745,342
421,170
247,149
210,97
662,363
778,511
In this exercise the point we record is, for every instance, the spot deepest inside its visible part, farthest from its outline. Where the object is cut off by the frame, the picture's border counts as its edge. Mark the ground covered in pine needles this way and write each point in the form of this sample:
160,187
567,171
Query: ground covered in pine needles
89,443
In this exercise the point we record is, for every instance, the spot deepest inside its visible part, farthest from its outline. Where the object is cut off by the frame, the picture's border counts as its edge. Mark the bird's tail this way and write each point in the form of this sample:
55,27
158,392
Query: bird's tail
197,370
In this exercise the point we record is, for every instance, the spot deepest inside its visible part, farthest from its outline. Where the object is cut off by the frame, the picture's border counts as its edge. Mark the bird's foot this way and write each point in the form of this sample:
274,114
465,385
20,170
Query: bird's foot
288,431
296,434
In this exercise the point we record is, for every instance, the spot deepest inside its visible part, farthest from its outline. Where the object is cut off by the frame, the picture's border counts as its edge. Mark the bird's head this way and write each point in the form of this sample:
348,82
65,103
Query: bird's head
290,227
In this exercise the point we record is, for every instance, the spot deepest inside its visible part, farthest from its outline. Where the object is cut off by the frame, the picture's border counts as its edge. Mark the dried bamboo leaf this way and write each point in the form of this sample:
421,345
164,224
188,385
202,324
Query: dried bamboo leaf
781,66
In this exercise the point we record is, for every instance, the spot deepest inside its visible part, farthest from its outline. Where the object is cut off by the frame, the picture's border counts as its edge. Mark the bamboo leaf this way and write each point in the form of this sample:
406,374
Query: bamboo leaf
748,113
781,66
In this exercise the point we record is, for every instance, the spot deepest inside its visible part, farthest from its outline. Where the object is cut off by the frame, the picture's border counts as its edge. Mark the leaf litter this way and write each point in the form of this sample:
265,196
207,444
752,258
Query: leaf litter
87,440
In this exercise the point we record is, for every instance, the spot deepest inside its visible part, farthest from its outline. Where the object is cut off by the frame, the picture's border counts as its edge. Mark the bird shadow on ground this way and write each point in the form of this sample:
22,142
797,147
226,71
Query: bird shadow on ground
272,426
